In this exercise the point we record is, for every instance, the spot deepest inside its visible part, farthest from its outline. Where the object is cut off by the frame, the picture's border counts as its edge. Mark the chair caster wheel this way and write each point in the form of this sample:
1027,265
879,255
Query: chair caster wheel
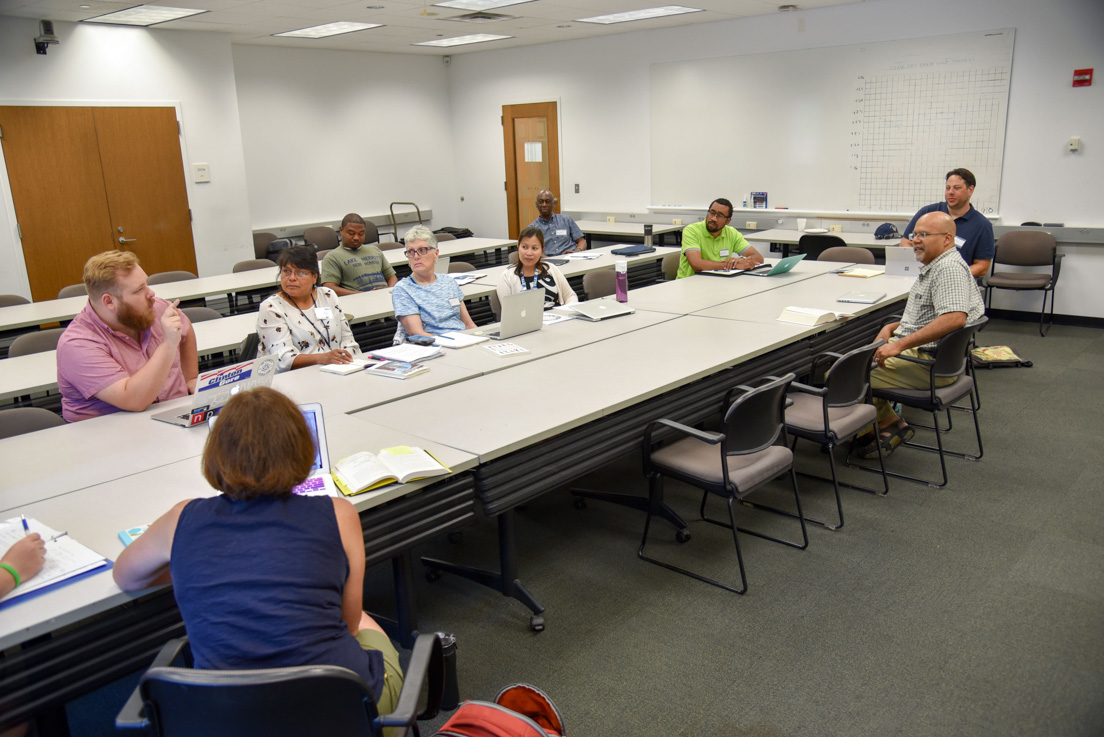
432,575
682,535
536,623
578,503
456,537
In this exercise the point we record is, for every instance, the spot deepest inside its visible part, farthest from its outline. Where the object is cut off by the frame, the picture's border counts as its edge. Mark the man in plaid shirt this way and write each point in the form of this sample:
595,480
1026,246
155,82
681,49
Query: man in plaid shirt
944,298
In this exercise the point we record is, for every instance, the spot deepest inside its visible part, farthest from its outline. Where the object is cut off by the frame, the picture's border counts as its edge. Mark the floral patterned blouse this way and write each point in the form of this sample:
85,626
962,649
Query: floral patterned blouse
285,331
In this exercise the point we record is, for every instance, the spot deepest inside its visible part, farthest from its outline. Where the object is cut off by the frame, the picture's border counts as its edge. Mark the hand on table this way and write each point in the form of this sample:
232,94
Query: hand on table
337,355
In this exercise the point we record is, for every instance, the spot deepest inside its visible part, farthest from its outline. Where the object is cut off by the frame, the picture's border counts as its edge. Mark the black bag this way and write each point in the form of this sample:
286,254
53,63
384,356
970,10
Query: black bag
456,232
278,245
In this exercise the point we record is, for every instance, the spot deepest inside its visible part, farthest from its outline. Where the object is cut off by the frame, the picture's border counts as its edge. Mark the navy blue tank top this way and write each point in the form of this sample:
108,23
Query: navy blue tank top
259,585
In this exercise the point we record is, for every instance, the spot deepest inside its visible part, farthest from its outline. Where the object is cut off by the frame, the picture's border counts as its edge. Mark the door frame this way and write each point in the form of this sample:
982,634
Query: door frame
528,110
15,260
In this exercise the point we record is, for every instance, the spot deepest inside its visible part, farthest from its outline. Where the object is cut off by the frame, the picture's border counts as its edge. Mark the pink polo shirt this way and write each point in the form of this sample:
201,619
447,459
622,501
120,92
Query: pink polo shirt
91,357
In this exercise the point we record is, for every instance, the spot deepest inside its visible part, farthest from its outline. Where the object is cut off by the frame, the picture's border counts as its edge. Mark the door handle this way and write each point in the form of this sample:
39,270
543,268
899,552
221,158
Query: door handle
127,240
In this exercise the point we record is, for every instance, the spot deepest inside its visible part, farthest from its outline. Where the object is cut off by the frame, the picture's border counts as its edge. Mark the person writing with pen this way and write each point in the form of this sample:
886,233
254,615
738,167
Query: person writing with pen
23,561
303,324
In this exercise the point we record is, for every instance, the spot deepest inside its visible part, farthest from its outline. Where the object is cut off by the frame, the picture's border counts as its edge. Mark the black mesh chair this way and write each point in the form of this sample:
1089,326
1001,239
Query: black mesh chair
814,244
173,701
732,464
836,412
950,361
1026,248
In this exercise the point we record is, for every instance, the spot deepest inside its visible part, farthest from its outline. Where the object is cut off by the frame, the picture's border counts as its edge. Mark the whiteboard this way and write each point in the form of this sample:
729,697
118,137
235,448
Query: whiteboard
870,127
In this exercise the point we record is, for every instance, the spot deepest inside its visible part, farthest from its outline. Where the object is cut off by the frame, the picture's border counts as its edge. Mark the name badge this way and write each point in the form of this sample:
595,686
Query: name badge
454,301
959,241
561,231
724,253
323,313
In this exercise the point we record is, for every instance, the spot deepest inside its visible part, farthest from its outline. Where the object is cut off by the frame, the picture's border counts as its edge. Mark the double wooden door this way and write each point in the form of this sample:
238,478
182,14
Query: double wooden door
88,179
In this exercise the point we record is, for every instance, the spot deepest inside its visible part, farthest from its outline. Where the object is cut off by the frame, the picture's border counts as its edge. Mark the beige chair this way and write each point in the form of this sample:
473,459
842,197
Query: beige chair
167,277
20,420
389,245
322,237
671,266
600,283
260,243
253,264
73,290
847,255
442,237
36,342
1026,248
201,314
496,306
460,267
322,254
513,257
10,300
371,232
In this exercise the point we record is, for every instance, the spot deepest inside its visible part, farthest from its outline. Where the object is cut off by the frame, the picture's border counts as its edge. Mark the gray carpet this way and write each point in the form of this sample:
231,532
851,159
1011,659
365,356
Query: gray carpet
970,610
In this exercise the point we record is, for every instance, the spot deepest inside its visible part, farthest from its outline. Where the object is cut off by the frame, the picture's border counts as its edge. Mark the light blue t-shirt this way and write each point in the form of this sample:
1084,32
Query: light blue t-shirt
438,304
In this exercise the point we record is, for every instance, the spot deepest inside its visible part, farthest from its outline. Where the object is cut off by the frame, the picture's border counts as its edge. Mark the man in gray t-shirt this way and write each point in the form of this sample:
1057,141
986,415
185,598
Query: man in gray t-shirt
354,267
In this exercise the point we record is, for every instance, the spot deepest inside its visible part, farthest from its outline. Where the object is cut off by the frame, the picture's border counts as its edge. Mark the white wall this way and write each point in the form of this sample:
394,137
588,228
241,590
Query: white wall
119,65
332,132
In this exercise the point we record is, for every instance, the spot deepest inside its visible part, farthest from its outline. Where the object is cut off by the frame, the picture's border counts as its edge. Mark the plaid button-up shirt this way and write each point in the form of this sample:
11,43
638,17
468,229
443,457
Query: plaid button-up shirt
945,285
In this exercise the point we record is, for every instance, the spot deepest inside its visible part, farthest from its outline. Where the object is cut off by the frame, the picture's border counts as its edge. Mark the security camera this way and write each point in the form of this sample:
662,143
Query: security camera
46,36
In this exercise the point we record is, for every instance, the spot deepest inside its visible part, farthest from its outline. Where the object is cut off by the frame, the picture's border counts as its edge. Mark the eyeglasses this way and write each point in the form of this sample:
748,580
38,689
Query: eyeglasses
421,251
719,215
922,236
297,273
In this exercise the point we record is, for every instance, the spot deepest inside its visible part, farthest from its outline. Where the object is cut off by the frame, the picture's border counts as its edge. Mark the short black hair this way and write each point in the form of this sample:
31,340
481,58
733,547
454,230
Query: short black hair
966,174
352,217
722,201
299,257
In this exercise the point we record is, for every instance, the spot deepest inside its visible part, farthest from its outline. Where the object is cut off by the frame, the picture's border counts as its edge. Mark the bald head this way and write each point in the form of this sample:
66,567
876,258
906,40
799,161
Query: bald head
934,236
546,201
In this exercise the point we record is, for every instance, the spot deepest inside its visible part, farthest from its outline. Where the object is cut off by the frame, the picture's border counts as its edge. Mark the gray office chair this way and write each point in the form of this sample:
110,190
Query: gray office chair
168,277
834,413
389,245
176,700
513,257
201,314
20,420
732,464
321,238
260,243
460,267
600,283
846,255
36,342
950,358
73,290
10,300
247,350
813,244
322,254
442,237
671,266
371,232
253,264
1026,248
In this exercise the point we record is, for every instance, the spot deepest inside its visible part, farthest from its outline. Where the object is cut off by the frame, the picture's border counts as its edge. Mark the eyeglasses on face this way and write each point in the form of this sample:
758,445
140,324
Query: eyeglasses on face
719,215
421,251
922,235
297,273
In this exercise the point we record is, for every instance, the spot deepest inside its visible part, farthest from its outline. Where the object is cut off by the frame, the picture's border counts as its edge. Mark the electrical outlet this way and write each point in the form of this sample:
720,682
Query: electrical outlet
611,219
750,225
836,229
576,189
676,221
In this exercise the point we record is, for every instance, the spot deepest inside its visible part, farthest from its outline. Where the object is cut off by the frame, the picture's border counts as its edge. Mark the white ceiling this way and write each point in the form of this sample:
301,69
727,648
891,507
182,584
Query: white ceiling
405,21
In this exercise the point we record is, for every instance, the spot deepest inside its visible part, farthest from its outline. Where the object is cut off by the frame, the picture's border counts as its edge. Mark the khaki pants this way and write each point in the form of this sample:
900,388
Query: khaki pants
900,374
392,673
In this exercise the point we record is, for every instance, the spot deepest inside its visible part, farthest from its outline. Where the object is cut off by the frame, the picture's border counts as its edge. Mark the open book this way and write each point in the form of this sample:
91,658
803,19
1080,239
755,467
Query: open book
862,273
365,471
65,557
810,316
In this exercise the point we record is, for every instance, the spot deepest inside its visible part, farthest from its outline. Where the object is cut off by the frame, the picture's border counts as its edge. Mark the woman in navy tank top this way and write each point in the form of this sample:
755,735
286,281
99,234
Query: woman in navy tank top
265,578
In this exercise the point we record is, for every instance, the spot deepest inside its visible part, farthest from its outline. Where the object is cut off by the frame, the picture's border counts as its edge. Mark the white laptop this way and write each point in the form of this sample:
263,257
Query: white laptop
441,267
862,298
214,389
319,482
600,309
901,261
521,313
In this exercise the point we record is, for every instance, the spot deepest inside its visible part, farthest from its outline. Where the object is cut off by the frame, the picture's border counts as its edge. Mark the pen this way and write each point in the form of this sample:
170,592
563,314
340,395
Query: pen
26,529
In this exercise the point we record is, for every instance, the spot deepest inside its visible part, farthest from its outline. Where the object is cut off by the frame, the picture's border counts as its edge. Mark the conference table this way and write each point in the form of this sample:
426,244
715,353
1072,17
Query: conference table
787,238
617,230
662,361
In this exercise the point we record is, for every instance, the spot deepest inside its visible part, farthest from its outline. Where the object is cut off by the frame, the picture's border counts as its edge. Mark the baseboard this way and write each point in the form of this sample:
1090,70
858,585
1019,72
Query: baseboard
1074,320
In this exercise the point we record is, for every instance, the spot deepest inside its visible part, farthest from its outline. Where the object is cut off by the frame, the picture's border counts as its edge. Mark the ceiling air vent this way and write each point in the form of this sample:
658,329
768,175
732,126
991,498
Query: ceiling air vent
480,16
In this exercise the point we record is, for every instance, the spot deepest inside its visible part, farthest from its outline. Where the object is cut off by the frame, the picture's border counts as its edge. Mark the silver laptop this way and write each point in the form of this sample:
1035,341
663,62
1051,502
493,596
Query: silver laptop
521,313
319,482
600,309
862,298
214,389
901,261
442,265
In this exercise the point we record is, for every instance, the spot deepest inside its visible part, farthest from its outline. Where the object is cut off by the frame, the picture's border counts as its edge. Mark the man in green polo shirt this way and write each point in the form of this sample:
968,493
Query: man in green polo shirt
711,245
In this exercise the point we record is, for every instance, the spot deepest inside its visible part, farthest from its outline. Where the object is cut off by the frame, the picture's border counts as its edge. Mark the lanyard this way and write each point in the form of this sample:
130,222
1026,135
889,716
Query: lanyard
326,338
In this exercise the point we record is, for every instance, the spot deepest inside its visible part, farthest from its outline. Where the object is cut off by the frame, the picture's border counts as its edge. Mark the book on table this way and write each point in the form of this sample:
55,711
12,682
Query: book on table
357,364
810,316
396,369
65,557
365,471
861,273
408,352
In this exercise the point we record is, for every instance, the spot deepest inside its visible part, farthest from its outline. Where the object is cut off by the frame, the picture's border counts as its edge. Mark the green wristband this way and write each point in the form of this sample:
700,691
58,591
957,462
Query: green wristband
15,575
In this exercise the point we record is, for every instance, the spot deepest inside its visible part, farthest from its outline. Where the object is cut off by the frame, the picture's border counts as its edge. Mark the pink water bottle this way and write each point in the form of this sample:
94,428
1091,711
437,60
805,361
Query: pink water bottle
621,268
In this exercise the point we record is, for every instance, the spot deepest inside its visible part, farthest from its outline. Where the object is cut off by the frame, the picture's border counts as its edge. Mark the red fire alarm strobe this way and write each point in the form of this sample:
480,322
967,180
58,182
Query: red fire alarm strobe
1082,77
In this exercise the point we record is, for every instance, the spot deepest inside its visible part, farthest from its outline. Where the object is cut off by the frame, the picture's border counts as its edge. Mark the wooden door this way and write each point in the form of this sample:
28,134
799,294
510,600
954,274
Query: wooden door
78,174
146,194
58,190
532,159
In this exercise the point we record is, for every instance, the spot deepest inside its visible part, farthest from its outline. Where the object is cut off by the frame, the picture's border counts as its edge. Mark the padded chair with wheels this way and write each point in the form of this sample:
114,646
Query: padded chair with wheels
389,245
167,277
814,244
73,290
371,232
322,254
671,265
732,464
174,701
442,237
512,257
846,255
36,342
950,359
600,283
322,237
836,412
260,243
20,420
1026,248
10,300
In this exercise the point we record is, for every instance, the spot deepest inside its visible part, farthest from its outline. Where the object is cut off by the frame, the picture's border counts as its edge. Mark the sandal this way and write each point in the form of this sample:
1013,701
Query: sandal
890,439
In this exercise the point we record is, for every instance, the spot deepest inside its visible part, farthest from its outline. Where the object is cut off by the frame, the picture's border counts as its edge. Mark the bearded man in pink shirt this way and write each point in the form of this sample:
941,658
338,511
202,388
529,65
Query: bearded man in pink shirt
128,348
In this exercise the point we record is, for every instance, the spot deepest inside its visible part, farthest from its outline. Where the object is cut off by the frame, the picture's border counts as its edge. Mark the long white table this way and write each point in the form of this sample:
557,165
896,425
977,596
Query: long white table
606,229
793,237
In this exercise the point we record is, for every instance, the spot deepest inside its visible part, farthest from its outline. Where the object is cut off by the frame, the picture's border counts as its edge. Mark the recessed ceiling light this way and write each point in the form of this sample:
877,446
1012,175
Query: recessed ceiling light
644,14
144,15
373,7
328,29
462,40
478,4
84,7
